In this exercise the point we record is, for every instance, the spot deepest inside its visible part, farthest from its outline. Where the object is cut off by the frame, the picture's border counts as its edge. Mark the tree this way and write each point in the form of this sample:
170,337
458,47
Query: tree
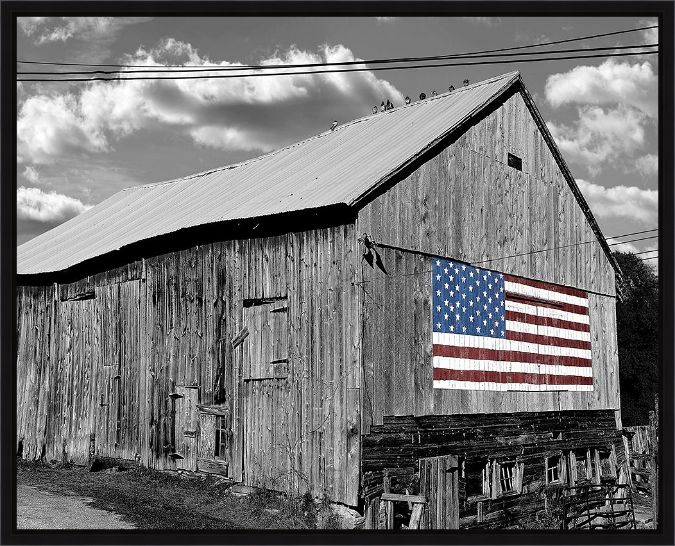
637,317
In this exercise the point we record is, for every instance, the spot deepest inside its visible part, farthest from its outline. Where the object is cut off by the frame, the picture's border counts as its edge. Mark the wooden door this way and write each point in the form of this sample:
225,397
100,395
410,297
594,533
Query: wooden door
186,427
267,442
439,484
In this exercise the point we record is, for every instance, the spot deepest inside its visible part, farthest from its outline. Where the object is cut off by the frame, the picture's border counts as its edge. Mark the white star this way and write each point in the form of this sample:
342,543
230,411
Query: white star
489,284
501,288
485,294
452,278
501,303
438,277
438,262
501,276
452,308
497,295
463,279
489,314
456,317
457,287
485,277
502,332
463,296
471,303
438,292
492,332
446,285
451,264
452,293
470,273
446,316
485,308
478,329
463,328
489,273
497,324
463,309
478,313
456,270
445,271
446,302
438,325
463,267
485,323
438,308
496,309
489,300
502,319
471,318
452,328
477,283
470,288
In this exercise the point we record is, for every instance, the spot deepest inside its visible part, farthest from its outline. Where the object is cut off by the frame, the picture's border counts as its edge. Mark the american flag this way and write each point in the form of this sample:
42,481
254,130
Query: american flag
498,332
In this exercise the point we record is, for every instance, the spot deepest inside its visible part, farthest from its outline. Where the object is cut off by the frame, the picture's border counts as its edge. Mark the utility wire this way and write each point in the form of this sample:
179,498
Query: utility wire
372,61
634,240
308,72
164,69
634,233
645,252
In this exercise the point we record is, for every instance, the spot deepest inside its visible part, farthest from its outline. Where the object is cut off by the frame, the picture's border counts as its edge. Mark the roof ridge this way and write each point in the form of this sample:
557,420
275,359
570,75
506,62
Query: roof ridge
323,134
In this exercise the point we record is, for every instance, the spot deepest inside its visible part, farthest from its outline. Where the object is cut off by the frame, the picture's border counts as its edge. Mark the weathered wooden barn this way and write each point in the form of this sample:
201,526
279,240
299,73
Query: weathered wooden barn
233,322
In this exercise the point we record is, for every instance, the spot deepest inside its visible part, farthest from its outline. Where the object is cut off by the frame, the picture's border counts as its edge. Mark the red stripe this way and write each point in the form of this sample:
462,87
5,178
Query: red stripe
520,298
475,353
547,321
548,340
510,377
546,286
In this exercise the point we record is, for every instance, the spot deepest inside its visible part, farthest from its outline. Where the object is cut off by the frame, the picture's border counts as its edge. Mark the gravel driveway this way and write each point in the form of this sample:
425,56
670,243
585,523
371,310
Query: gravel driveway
37,509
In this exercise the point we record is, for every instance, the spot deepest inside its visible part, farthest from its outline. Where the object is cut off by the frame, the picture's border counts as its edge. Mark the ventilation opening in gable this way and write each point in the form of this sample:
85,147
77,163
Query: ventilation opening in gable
515,162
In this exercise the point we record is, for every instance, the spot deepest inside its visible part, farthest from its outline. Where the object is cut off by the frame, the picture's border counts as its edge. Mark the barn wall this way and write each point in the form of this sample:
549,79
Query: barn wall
467,203
106,365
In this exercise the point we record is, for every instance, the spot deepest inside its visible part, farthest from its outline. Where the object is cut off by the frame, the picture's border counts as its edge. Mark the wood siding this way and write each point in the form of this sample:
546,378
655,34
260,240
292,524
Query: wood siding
467,203
479,440
106,365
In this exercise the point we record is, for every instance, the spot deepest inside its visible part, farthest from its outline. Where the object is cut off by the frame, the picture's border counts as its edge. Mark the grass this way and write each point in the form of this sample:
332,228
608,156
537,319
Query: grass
168,500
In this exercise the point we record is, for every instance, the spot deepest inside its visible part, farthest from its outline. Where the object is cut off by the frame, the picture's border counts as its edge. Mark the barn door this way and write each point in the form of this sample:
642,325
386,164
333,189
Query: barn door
186,427
214,440
266,441
439,484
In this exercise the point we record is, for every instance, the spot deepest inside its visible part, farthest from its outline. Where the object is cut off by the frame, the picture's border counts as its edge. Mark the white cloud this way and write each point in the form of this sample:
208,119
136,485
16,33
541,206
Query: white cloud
52,208
600,135
622,202
245,113
611,82
487,21
31,174
647,165
59,29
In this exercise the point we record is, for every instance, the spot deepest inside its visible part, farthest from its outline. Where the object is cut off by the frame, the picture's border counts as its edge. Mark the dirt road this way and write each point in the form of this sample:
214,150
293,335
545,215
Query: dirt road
37,509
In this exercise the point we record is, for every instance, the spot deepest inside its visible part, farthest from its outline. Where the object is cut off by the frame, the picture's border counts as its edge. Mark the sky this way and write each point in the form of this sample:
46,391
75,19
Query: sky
79,143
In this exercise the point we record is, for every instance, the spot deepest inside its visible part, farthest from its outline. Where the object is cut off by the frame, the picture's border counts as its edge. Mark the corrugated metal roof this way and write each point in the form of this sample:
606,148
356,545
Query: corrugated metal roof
331,168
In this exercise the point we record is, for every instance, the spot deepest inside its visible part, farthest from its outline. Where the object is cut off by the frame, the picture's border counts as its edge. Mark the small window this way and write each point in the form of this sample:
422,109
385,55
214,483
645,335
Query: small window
222,443
507,477
554,469
476,474
515,162
607,467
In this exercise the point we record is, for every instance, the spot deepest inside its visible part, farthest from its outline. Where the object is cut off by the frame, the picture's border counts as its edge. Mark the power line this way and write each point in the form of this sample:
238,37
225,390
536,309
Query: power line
633,240
634,233
164,69
400,59
300,73
645,252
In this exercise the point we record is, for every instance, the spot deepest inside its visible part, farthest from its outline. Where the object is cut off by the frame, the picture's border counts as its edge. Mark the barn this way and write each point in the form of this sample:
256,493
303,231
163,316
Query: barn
284,321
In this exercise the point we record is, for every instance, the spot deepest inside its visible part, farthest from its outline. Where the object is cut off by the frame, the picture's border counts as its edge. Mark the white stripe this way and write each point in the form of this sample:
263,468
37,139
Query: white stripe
499,344
529,328
543,294
452,363
490,386
545,312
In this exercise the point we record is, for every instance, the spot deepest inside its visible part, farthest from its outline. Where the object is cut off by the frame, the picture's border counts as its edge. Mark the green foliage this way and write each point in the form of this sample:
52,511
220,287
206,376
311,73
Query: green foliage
638,336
